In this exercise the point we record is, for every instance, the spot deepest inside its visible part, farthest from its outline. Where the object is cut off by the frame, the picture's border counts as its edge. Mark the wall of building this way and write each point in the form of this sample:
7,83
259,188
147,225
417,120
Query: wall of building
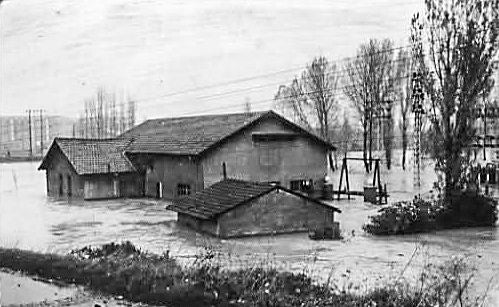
96,186
207,226
278,160
276,212
102,186
171,171
59,168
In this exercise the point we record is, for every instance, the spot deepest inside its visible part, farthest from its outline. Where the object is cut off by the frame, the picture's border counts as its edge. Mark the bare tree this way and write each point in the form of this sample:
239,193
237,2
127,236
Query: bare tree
311,98
369,85
403,91
455,44
131,113
347,134
103,118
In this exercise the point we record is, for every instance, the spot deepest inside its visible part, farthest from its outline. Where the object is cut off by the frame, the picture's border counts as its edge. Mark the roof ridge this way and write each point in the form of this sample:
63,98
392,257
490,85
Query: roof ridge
209,115
86,139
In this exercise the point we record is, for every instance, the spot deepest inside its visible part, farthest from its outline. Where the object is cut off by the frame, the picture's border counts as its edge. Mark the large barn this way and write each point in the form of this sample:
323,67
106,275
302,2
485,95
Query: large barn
173,157
180,156
236,208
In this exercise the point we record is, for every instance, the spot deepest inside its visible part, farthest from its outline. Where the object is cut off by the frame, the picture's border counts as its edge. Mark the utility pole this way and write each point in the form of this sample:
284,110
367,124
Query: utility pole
41,132
30,136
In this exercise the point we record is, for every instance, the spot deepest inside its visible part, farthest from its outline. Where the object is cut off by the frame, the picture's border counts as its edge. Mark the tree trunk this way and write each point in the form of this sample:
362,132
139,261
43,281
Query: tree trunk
387,141
364,152
370,141
404,144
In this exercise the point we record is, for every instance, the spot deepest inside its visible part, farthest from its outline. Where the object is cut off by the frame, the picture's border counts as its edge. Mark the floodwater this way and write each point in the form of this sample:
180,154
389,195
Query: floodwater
31,220
17,289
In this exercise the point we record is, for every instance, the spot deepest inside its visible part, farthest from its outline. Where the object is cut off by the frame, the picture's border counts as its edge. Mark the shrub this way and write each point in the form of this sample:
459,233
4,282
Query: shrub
402,218
462,209
468,209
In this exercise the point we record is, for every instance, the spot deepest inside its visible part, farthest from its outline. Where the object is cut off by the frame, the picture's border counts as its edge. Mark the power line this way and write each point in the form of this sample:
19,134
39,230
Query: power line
337,92
255,77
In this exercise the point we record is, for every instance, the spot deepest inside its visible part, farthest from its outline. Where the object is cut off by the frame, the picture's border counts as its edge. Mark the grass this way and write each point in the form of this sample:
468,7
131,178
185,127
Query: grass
124,270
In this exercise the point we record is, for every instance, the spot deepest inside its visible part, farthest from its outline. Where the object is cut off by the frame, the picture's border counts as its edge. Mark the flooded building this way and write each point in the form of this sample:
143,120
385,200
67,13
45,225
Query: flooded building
180,156
173,157
90,169
235,208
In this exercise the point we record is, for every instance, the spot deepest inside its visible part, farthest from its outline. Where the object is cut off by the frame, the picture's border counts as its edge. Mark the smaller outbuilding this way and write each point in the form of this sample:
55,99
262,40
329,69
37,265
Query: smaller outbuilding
90,169
236,208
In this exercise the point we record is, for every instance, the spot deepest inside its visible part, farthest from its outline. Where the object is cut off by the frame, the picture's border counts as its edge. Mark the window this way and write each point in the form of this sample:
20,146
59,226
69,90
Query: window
183,189
302,185
295,185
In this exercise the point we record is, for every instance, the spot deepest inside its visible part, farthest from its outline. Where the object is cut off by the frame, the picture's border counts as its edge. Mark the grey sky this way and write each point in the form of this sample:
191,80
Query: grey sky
55,53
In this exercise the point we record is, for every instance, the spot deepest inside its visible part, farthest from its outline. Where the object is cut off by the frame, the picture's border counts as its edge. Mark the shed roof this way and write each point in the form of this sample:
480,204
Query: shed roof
195,134
225,195
92,156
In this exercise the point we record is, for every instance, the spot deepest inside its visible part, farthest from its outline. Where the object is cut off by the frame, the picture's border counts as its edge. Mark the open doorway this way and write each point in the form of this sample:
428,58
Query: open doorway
159,189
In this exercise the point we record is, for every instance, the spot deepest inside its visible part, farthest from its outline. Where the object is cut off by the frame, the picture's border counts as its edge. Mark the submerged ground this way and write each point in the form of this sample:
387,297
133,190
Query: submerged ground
29,220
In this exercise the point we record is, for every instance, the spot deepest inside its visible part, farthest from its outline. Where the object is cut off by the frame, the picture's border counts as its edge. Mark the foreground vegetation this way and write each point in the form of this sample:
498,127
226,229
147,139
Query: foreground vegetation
465,209
122,269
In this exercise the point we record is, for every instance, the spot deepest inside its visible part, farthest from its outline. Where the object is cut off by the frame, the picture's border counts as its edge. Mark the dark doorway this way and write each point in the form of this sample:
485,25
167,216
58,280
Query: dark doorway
61,185
70,187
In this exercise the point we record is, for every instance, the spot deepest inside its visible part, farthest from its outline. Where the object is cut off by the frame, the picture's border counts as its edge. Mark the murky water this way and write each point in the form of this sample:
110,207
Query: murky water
30,220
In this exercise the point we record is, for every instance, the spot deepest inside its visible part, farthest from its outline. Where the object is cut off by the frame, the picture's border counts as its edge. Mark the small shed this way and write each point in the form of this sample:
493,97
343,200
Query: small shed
236,208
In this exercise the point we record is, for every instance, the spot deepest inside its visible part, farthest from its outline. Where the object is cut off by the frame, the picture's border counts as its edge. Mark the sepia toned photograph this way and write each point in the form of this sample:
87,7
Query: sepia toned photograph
249,153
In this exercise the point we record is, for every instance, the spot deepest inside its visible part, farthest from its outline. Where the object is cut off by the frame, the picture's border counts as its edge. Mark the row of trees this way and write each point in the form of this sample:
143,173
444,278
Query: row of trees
373,82
105,116
454,48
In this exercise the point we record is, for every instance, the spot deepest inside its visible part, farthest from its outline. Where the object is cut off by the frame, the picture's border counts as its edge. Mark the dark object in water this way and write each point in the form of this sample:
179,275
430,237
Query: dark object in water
326,233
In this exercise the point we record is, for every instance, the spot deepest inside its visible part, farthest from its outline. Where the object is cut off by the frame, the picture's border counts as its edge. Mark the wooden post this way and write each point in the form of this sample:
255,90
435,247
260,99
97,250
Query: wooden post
347,180
341,177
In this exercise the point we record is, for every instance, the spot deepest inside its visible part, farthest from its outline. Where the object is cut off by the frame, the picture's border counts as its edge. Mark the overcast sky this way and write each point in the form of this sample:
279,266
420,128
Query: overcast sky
56,53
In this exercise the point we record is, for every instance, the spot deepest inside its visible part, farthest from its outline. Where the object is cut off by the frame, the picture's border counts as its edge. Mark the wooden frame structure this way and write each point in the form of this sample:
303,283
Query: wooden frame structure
381,193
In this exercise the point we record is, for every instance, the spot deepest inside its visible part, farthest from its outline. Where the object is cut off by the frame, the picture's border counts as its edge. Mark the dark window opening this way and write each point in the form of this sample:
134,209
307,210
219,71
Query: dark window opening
70,187
183,189
61,185
302,185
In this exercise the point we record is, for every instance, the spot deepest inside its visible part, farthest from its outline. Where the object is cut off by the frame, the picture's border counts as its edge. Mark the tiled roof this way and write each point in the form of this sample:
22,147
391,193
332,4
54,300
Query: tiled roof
219,198
93,156
178,136
193,135
224,196
186,135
